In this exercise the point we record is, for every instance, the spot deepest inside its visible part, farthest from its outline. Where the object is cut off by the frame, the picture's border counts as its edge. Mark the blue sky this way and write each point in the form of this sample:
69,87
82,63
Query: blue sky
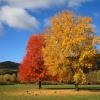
19,19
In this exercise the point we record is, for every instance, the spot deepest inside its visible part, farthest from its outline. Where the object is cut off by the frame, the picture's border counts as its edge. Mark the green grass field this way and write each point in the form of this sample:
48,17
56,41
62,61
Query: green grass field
20,87
34,86
77,97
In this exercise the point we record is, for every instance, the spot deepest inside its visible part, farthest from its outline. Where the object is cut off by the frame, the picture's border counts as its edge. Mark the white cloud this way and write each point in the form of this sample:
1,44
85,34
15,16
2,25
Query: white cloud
1,30
33,4
14,14
17,18
76,3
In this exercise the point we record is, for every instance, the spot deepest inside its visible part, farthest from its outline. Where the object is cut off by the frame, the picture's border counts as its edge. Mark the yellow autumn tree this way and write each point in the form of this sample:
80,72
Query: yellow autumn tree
70,47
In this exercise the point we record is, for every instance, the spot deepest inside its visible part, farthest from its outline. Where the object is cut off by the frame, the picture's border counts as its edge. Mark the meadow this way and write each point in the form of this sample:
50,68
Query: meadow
49,92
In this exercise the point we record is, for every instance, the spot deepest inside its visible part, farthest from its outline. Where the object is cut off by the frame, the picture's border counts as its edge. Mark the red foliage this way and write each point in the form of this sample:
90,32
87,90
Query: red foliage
32,68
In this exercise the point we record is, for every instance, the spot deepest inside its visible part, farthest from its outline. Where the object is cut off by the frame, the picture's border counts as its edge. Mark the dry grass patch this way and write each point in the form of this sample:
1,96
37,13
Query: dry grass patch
45,92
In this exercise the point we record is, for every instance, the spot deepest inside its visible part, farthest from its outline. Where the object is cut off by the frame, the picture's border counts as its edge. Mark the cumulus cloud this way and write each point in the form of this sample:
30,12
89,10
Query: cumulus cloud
17,18
35,4
1,30
76,3
14,12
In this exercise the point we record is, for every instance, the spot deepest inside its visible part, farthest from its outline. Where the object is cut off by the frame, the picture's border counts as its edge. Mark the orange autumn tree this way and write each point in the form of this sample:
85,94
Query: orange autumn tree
32,67
70,47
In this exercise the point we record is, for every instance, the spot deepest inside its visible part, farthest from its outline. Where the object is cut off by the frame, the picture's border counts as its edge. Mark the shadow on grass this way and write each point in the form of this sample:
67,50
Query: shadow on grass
58,88
91,88
83,87
7,84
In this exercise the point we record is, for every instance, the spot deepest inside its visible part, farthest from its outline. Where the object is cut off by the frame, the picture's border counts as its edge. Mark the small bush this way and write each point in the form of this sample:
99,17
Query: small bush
8,79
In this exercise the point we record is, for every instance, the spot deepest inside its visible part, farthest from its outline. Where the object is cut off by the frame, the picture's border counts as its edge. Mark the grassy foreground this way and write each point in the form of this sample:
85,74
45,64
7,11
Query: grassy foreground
24,87
34,86
77,97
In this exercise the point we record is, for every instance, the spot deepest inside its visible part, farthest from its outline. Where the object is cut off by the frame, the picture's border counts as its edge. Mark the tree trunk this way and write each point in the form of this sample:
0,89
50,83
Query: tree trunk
40,85
76,87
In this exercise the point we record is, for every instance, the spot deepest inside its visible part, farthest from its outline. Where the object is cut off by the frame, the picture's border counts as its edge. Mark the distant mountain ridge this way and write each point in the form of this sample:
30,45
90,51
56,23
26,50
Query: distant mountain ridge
9,65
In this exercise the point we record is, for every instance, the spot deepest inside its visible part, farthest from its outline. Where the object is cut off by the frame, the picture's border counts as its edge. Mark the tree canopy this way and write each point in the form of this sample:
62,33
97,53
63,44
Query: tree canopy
70,47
